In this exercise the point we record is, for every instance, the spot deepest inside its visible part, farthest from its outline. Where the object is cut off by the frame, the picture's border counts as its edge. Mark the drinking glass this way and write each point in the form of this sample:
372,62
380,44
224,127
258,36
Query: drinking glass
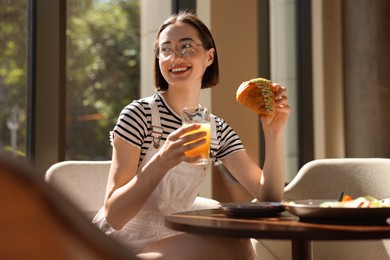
199,115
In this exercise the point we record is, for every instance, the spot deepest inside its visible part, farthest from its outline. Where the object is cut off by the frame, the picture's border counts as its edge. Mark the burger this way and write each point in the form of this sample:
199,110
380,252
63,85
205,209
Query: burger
258,95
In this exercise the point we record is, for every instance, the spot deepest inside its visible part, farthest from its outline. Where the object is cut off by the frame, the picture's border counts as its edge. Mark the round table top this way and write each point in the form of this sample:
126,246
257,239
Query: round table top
280,226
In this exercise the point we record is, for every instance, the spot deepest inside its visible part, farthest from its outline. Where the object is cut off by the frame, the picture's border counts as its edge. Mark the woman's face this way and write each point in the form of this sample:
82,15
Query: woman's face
178,69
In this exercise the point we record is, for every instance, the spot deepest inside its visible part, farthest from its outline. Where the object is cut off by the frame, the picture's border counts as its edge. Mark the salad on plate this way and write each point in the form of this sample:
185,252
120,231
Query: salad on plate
360,202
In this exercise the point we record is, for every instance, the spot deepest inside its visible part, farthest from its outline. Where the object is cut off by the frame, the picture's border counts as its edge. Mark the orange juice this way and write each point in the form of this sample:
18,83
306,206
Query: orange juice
204,149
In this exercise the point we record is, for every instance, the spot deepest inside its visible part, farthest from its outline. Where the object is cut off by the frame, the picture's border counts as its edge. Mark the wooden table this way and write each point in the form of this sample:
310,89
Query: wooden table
283,226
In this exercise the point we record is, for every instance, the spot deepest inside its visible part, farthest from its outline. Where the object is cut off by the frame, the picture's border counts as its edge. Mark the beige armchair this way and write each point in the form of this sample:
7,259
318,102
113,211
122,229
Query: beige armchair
325,179
84,183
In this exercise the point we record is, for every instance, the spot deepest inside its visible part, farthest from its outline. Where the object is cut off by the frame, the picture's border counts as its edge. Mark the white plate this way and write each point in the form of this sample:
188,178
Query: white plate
310,209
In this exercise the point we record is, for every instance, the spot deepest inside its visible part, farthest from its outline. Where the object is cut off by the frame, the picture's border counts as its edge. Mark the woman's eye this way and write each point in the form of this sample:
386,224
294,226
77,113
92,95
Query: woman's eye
186,45
166,49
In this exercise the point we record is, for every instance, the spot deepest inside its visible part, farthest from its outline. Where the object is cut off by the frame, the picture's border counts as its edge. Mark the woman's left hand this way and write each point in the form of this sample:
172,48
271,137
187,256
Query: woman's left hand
278,120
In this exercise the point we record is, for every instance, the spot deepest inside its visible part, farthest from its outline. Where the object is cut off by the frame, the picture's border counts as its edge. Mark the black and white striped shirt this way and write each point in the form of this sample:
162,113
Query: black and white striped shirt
134,125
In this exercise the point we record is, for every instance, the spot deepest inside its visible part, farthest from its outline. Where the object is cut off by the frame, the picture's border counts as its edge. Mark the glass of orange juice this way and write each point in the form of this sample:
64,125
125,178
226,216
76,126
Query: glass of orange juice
199,115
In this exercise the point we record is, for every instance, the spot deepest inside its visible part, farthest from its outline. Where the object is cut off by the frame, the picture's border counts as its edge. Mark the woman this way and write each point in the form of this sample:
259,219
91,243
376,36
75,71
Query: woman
151,177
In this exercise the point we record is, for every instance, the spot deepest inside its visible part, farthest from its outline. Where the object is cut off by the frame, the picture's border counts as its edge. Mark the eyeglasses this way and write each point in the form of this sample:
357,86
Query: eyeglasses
185,49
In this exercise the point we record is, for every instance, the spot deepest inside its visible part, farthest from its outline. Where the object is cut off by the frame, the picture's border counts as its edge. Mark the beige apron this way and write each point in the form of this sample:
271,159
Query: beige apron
175,193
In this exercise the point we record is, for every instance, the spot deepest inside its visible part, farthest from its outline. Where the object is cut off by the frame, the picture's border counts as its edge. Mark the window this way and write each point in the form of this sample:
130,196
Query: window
103,72
13,76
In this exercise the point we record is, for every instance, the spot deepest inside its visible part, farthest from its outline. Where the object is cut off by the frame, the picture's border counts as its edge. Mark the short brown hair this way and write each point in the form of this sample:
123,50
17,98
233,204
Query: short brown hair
211,75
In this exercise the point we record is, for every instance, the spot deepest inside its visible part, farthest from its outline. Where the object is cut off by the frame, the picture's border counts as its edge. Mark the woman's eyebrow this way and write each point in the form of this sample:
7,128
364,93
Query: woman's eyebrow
186,39
181,40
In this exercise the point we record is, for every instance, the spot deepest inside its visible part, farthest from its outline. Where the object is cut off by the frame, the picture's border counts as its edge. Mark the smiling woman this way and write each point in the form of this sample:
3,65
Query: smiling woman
153,174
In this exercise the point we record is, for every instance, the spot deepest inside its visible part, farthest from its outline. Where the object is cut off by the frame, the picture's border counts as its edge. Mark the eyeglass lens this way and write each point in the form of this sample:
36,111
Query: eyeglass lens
187,48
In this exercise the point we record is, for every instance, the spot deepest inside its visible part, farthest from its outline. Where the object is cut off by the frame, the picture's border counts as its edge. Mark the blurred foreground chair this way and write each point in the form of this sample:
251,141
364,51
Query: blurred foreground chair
84,183
325,179
38,222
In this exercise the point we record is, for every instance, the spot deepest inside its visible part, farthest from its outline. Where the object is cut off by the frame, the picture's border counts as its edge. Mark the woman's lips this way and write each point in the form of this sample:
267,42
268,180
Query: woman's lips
178,70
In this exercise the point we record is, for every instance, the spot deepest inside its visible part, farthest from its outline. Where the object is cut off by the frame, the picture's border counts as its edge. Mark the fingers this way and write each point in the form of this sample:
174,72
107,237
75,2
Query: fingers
284,109
190,138
281,91
183,140
175,135
194,144
185,134
281,99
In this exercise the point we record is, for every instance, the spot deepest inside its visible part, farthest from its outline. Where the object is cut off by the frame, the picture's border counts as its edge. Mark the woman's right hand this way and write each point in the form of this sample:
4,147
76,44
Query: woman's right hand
177,143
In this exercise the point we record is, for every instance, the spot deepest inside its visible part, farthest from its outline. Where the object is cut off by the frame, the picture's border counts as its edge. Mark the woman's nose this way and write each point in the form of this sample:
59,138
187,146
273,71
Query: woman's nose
176,54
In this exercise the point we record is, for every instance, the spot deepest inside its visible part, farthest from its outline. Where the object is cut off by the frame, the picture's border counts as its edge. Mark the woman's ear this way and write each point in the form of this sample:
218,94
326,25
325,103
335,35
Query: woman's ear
211,53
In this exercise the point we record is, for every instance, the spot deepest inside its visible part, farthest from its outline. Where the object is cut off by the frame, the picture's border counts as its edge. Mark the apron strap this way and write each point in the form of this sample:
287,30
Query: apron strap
213,132
157,131
214,144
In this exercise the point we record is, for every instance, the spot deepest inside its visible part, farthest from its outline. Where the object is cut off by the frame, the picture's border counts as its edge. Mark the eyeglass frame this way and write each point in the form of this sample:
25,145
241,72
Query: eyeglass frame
177,49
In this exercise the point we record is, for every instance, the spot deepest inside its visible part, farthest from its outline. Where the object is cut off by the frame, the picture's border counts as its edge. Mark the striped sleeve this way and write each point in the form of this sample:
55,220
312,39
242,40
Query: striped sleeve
132,123
229,141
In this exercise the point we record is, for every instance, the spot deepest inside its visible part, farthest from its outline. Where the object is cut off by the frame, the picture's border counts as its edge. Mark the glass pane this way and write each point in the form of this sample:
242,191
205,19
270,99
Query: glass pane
103,72
13,76
284,71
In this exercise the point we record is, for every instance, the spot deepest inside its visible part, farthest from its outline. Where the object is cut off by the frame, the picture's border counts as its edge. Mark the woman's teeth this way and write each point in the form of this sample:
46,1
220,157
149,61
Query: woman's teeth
179,69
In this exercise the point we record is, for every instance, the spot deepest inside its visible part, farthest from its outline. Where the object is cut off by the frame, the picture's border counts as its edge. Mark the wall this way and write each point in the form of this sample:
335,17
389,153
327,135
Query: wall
235,34
328,92
235,31
366,63
284,71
